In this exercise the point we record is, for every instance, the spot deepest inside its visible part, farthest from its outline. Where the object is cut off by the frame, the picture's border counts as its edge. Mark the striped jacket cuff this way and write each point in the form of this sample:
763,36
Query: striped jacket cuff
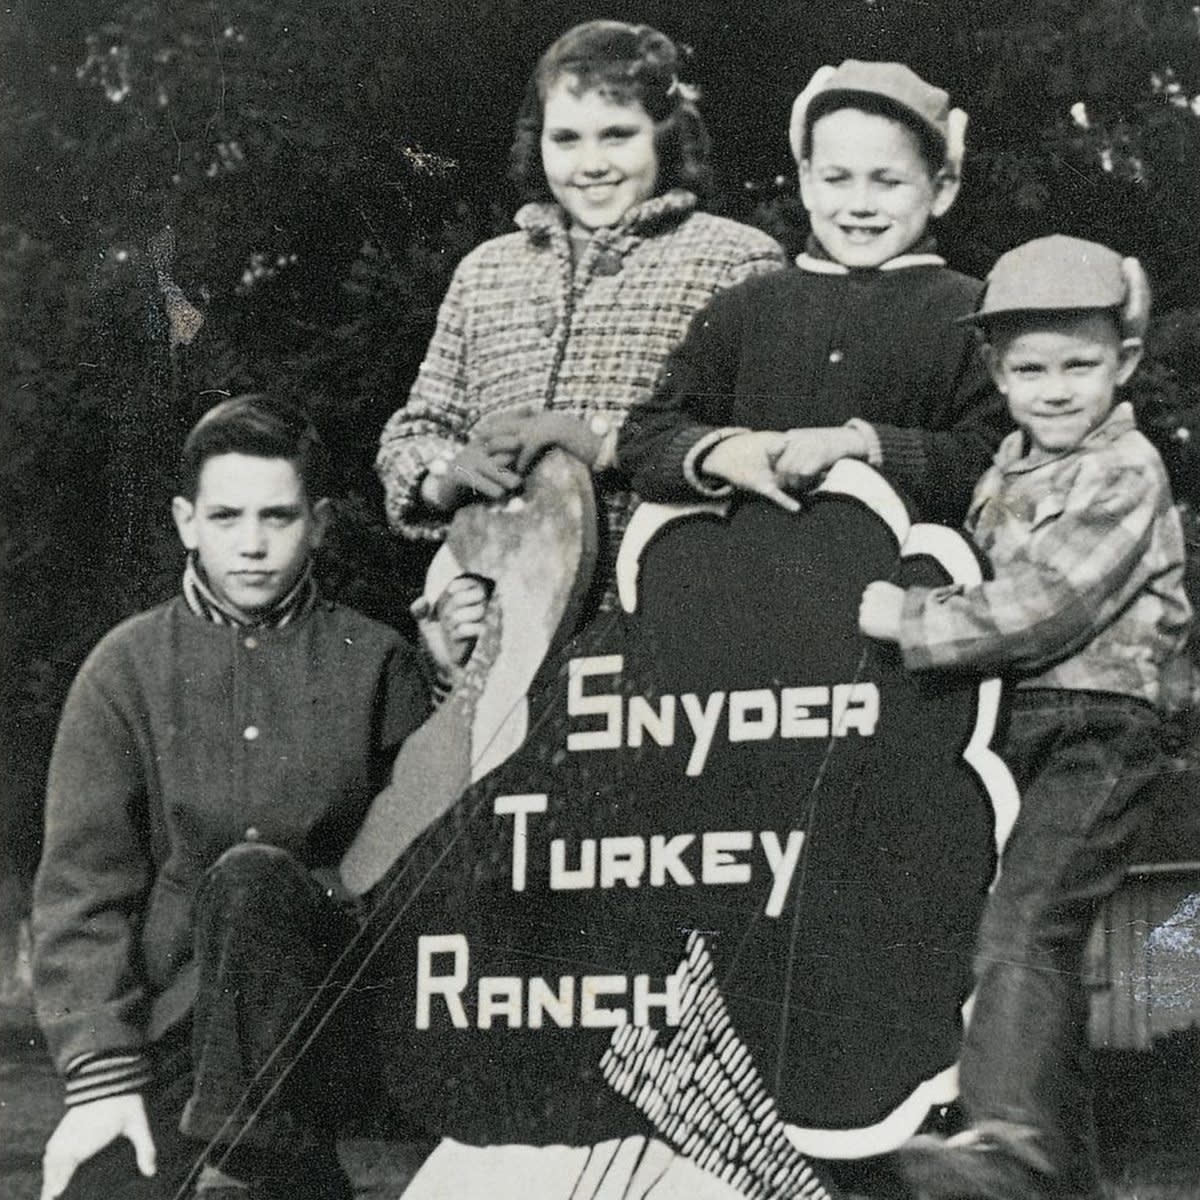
98,1076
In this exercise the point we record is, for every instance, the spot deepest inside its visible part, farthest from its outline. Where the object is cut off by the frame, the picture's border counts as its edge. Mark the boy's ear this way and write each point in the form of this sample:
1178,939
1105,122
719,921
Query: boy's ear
805,171
321,512
1131,352
183,512
946,184
991,360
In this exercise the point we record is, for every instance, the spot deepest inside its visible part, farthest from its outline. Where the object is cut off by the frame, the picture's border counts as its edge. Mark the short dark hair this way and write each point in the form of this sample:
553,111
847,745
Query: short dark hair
627,63
261,426
932,148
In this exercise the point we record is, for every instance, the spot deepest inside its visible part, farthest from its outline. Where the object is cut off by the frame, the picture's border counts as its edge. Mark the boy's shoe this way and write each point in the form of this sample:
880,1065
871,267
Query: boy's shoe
993,1161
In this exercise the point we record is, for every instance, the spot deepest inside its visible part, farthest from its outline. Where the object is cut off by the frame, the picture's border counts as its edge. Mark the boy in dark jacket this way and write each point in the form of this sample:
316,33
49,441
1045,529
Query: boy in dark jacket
852,354
1088,614
214,754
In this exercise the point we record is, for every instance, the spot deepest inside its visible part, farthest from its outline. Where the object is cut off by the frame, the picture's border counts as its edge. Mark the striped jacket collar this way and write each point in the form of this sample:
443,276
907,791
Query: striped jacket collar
204,602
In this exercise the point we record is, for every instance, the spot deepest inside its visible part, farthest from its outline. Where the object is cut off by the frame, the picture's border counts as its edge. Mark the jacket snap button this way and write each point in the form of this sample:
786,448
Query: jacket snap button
607,264
250,733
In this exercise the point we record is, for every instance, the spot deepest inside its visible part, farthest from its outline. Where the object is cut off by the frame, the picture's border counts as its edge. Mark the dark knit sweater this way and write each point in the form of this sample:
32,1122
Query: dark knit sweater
179,739
802,348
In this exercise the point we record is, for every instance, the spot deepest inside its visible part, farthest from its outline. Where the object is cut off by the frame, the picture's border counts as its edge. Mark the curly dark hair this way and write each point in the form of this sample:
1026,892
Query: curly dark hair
626,63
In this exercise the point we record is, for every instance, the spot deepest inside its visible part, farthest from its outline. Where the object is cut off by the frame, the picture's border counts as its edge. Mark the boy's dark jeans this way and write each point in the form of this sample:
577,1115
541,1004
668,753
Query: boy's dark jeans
1082,762
267,937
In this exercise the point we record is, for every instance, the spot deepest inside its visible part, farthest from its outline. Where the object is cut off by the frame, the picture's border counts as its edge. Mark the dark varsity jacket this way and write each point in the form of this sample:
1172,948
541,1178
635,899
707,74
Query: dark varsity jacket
179,738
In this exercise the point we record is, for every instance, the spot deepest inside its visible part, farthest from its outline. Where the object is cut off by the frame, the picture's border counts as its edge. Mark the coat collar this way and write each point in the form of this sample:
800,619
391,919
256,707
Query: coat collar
543,221
1012,456
815,259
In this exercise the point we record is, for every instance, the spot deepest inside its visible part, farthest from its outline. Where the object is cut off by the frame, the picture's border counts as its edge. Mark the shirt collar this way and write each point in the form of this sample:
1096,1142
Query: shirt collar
199,596
815,259
1012,455
542,220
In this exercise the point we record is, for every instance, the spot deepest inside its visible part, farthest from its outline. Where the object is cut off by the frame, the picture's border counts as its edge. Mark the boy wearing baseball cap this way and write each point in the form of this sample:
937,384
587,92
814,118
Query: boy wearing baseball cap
1087,613
855,352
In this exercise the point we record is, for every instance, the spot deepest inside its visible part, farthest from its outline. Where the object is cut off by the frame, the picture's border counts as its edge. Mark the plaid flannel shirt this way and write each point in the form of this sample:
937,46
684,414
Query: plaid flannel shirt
1088,556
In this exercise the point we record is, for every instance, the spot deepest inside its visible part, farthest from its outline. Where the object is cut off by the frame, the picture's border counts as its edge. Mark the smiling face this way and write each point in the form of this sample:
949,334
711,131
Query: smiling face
599,156
252,528
1061,374
868,189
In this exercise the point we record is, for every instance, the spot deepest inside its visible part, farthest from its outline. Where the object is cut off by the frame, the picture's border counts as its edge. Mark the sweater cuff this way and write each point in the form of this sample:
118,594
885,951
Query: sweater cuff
869,435
693,464
902,452
402,466
99,1076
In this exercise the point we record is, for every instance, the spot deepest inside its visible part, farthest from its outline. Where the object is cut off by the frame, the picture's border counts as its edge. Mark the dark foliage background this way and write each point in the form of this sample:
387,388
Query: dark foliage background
305,176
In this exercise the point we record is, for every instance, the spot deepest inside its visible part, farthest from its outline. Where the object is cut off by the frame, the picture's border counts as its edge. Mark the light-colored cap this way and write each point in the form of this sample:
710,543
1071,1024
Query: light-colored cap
1066,274
894,82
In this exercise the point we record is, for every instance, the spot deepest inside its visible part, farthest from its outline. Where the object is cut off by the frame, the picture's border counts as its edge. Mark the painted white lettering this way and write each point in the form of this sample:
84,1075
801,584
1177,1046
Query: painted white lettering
703,721
606,705
717,861
564,879
782,862
795,716
449,987
666,859
591,1015
622,860
519,807
753,715
668,999
499,996
558,1006
658,723
855,706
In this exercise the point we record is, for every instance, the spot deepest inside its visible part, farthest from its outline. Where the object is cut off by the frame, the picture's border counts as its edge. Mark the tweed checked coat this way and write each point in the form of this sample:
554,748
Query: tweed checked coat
523,327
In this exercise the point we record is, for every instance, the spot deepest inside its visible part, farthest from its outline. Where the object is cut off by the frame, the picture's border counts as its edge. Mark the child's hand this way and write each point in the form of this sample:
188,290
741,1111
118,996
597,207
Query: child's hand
809,453
472,474
748,461
460,613
879,611
527,436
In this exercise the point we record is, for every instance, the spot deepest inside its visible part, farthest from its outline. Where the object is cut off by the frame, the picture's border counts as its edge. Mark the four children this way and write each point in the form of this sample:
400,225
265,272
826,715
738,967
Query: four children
216,752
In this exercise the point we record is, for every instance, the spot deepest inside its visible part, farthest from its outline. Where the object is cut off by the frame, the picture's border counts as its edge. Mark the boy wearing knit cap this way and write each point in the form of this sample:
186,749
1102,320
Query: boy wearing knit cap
1087,613
855,353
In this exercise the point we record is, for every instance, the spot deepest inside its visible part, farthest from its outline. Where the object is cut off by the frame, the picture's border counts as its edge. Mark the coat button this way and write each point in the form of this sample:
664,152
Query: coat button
252,834
250,733
608,262
836,356
251,643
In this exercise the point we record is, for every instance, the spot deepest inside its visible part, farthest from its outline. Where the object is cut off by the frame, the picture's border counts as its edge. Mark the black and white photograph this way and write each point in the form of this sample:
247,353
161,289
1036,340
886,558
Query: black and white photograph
598,603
